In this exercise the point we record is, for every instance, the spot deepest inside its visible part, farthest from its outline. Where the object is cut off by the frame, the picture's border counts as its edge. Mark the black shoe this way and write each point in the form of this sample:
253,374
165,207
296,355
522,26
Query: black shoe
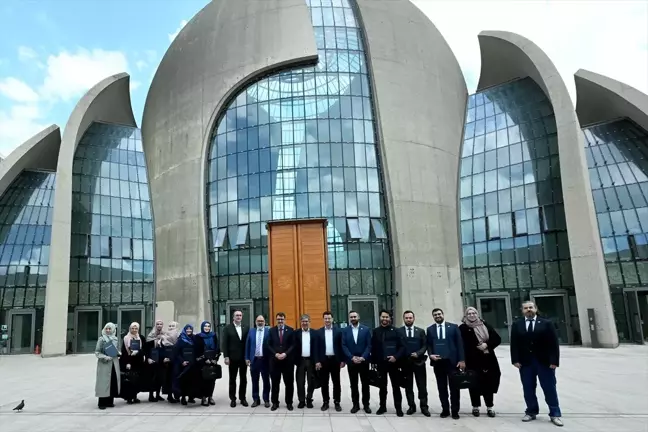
289,407
367,409
159,398
411,410
136,401
191,400
338,407
204,402
475,412
399,412
325,406
183,400
381,411
309,404
130,402
490,412
266,404
152,398
256,403
244,402
301,405
355,409
425,412
172,400
102,407
274,407
455,416
233,403
445,414
112,405
211,401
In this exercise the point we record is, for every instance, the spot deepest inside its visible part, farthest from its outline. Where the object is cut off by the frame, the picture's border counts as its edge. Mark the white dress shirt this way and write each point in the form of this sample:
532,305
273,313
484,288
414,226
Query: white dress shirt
528,323
355,330
409,331
441,334
328,340
238,330
306,339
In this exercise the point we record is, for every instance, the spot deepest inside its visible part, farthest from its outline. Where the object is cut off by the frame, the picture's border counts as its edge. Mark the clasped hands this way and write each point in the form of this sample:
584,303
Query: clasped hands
357,360
461,365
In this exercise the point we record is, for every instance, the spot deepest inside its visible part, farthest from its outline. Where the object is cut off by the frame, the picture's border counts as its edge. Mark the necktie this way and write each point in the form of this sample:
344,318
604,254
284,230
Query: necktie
409,332
259,342
440,329
530,326
281,335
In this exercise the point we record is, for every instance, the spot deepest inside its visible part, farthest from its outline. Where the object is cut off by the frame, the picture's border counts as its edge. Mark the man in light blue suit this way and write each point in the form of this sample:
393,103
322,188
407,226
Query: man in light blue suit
257,359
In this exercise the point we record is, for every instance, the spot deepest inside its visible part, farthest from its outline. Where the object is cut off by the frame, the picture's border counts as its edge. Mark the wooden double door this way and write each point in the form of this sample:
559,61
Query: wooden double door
298,270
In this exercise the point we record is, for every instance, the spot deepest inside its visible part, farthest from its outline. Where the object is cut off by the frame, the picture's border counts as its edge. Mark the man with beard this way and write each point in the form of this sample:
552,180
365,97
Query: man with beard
445,348
413,364
258,362
234,337
280,345
356,346
330,360
387,349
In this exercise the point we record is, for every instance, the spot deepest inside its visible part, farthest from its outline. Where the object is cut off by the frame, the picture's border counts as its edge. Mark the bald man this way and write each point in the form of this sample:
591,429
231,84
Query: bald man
257,360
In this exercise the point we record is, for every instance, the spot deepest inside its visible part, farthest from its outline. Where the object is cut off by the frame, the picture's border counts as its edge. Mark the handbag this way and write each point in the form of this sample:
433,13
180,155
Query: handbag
110,350
374,376
464,379
316,380
130,377
212,372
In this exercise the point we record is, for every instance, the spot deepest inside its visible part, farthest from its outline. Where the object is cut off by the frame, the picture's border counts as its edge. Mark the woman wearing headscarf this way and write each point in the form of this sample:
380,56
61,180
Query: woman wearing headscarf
132,363
185,370
154,367
207,354
168,347
107,386
480,340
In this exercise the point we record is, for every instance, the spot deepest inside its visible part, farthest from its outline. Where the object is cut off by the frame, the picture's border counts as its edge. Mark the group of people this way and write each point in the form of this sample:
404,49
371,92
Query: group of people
184,365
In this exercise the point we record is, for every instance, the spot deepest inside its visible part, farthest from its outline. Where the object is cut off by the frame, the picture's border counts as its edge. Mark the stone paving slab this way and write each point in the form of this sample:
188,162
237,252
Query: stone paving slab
599,390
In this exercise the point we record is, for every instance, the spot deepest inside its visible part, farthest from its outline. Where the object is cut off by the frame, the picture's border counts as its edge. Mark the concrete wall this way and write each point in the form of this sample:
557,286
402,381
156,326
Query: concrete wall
507,56
39,152
599,99
420,100
108,102
225,46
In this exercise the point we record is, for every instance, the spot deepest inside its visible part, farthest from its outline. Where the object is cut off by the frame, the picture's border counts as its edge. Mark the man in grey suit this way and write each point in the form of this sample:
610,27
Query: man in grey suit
445,348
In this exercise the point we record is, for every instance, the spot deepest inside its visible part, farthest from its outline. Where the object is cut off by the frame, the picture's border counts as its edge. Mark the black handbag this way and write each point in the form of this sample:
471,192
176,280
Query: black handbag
130,377
464,379
374,376
317,381
212,372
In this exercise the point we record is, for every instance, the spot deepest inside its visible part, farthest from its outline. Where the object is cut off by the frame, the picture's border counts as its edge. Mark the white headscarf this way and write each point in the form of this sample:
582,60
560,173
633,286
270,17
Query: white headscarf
110,337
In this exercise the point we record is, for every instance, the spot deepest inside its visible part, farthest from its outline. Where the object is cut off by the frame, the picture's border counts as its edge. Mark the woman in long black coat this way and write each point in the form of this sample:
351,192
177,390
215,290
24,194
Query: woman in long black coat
207,354
168,345
154,368
480,340
186,372
131,364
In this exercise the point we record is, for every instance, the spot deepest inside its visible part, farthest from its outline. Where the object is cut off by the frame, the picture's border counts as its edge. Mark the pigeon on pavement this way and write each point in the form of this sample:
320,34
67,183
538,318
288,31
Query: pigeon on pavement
20,406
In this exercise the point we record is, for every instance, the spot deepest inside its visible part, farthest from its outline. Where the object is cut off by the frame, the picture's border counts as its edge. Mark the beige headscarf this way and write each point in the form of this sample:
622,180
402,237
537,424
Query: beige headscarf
172,334
477,325
133,334
157,335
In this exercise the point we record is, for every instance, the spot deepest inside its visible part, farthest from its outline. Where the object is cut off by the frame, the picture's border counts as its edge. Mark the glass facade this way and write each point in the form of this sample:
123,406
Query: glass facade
111,259
301,144
25,233
617,154
513,231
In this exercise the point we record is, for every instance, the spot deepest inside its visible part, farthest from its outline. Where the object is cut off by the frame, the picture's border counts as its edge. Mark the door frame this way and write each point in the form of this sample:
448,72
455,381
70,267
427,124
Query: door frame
497,295
557,293
372,298
123,308
250,303
635,291
77,309
10,314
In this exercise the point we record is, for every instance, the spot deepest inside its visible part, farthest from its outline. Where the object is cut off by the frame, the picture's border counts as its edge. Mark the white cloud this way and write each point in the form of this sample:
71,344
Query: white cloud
134,85
609,38
17,90
69,75
173,35
141,64
26,53
18,124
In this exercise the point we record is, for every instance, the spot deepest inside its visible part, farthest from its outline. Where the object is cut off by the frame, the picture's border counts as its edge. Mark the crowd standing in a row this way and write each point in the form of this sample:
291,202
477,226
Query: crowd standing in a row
185,366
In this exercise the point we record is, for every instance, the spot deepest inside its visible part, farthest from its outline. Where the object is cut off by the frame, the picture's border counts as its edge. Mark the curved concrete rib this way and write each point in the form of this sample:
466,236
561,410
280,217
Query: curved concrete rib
108,102
39,152
420,101
506,56
599,99
225,46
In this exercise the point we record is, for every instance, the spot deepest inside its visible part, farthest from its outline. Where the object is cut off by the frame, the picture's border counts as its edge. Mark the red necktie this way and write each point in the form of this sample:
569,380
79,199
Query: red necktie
281,335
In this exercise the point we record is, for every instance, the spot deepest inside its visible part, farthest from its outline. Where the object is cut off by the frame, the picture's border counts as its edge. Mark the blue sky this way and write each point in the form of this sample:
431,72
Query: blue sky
53,51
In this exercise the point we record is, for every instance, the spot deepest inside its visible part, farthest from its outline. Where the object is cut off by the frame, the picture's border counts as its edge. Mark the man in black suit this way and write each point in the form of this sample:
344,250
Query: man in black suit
234,337
356,346
280,344
446,350
306,341
413,364
387,349
536,353
330,360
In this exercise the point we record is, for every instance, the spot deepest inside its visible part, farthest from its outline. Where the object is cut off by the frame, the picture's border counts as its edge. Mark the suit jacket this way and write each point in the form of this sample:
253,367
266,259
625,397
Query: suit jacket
233,347
360,349
337,345
417,343
386,342
274,345
450,348
542,343
250,344
314,338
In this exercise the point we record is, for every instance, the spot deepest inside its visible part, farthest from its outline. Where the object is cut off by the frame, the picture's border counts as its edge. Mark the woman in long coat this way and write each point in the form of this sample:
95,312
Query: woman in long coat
186,375
107,386
480,340
207,354
154,367
168,345
132,362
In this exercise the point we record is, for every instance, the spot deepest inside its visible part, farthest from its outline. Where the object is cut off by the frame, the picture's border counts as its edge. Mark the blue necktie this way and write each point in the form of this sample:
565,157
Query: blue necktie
259,342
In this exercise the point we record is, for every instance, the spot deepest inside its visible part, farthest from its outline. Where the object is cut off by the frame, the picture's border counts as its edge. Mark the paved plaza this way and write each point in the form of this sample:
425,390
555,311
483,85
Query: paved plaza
600,390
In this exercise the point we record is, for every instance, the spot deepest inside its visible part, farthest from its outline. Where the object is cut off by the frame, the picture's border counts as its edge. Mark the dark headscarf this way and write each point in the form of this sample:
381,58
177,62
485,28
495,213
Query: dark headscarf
184,336
208,338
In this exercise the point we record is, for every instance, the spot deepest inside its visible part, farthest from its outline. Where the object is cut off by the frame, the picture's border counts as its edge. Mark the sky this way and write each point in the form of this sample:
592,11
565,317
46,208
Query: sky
53,51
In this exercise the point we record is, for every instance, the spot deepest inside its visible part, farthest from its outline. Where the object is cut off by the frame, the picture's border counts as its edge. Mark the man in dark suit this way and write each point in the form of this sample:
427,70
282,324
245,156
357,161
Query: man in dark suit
387,349
413,364
305,353
446,351
356,346
330,360
234,338
257,360
536,353
280,345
